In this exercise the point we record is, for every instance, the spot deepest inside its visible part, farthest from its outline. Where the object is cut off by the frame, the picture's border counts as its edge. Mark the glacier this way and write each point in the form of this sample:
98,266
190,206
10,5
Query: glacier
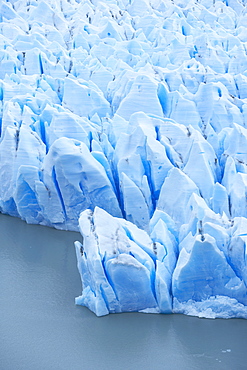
126,120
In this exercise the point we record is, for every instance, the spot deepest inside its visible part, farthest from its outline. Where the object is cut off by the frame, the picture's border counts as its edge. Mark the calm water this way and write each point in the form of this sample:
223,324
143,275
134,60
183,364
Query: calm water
42,329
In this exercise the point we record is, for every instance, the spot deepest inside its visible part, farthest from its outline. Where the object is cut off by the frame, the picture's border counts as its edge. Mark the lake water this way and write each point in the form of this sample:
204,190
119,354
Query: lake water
42,329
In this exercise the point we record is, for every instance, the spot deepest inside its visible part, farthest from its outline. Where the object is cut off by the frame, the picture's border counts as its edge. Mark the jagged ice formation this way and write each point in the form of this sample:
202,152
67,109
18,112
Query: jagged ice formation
131,115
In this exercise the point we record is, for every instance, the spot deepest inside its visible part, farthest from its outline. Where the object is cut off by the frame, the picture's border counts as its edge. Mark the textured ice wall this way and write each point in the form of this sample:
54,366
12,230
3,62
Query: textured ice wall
124,269
139,108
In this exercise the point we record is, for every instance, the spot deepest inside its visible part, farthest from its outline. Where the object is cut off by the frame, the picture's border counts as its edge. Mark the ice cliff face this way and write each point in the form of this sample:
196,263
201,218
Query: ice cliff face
202,271
137,108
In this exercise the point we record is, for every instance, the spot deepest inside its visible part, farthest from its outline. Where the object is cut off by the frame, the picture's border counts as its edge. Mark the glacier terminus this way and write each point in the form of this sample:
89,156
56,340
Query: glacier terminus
126,120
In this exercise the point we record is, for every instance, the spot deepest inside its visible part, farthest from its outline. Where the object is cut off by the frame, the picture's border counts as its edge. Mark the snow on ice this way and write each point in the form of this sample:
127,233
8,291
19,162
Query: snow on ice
131,116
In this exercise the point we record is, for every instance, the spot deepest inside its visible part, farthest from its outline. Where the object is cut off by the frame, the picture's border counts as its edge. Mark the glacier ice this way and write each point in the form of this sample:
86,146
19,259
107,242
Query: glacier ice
124,269
131,117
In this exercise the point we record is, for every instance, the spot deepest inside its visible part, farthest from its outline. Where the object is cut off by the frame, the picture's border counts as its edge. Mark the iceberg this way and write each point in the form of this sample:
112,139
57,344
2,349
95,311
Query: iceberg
126,120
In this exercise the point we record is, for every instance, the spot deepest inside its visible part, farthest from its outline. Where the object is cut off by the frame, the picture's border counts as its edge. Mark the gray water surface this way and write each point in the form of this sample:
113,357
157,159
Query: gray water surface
42,329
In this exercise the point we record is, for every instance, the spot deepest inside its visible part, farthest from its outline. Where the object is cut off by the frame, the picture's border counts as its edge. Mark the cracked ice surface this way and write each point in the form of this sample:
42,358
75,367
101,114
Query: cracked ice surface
132,115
